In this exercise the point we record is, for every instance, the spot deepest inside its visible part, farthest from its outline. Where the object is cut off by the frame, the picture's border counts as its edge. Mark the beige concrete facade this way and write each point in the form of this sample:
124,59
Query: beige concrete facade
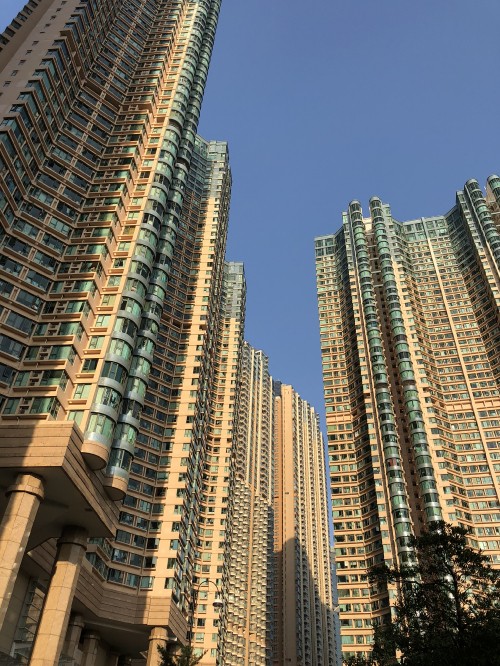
409,316
121,331
113,333
54,495
279,607
158,638
24,498
54,621
305,609
212,547
248,618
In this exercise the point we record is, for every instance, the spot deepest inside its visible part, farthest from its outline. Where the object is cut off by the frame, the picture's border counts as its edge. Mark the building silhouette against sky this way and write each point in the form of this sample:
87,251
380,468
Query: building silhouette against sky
410,343
122,365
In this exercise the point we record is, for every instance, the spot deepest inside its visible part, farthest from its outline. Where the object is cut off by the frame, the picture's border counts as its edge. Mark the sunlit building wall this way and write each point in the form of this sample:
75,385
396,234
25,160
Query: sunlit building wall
409,325
213,543
249,618
114,289
305,631
120,342
279,600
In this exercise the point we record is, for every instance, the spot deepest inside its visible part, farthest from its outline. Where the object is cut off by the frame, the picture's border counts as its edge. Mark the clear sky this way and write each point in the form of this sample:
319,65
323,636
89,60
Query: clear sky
331,100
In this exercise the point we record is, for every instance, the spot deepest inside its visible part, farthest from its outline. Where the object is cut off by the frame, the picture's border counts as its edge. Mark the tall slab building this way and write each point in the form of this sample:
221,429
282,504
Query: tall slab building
410,338
279,606
214,526
138,436
121,327
249,618
305,623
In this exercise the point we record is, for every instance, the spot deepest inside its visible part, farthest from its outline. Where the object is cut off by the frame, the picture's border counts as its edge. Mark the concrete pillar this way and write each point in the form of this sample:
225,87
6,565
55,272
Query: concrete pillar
175,649
24,499
157,638
73,634
91,642
54,619
112,659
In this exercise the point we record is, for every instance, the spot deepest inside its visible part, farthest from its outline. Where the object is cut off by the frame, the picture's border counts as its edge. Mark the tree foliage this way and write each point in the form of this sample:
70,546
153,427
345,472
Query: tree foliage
186,657
359,660
448,608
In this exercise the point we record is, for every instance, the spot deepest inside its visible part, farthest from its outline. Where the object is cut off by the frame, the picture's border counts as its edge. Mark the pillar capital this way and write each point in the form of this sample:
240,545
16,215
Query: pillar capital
158,633
158,637
27,483
74,535
90,649
76,620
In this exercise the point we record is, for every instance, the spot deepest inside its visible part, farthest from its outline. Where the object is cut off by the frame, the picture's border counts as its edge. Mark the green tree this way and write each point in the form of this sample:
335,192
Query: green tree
448,607
186,657
358,660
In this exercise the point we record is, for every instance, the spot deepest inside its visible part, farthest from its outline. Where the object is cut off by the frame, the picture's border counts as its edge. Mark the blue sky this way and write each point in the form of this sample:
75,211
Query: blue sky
326,101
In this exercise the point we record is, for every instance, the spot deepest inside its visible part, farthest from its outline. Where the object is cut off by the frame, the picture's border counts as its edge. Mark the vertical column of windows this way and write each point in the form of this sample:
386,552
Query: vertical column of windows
166,204
57,192
355,485
479,206
391,448
423,461
212,553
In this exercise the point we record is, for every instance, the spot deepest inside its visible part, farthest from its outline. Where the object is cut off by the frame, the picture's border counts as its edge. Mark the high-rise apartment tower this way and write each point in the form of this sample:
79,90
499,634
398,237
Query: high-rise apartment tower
120,332
248,633
123,455
410,342
305,624
279,584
